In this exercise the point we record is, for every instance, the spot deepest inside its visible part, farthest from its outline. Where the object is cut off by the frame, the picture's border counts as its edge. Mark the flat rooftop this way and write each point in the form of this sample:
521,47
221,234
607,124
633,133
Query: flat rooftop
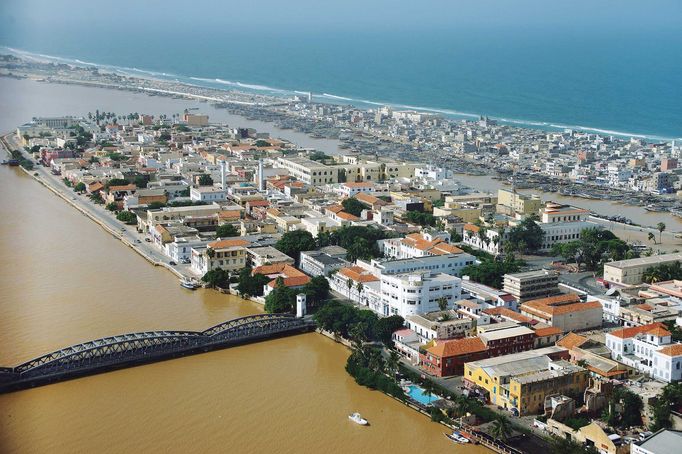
654,259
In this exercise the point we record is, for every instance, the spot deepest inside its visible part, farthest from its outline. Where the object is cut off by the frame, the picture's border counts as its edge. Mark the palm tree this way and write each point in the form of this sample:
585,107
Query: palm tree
660,227
428,388
652,237
359,287
442,303
392,363
501,428
349,284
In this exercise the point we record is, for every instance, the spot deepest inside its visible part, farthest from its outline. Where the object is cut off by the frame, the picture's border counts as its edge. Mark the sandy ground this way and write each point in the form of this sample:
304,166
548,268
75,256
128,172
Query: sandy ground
640,235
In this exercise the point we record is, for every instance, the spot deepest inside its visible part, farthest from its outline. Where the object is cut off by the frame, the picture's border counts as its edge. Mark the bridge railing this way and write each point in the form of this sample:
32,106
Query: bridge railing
145,345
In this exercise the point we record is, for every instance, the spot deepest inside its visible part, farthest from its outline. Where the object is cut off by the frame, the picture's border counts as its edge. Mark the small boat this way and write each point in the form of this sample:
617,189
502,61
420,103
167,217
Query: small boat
456,437
188,283
358,419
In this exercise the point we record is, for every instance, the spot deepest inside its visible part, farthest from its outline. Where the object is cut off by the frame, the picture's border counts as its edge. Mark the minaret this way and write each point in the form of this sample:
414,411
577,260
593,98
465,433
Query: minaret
223,170
261,183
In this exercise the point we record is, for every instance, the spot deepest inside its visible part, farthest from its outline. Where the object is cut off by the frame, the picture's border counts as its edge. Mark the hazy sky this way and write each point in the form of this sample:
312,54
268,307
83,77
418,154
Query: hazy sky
18,17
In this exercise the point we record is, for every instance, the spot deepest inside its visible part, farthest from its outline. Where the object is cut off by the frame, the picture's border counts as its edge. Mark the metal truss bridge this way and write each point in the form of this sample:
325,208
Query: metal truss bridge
132,349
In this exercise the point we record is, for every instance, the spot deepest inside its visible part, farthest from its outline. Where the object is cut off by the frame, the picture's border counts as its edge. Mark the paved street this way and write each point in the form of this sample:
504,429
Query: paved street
126,233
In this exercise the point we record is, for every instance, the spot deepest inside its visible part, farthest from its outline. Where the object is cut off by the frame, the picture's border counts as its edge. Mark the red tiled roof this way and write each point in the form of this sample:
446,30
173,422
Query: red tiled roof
671,350
296,281
627,333
358,274
547,331
457,347
220,244
571,340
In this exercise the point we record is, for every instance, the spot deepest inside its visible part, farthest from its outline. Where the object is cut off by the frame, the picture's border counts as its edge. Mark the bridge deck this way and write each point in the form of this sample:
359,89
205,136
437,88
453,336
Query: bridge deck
127,350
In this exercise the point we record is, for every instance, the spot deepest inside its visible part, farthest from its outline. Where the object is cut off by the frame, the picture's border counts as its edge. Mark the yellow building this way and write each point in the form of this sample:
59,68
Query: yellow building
521,381
509,202
590,435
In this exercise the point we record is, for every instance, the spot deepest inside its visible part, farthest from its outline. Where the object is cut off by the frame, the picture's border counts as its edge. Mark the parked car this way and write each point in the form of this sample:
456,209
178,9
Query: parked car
172,263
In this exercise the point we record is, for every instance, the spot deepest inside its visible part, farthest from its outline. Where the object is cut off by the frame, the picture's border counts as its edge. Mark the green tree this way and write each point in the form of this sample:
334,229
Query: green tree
155,205
96,197
205,180
127,216
251,285
226,230
80,187
501,428
281,299
217,277
383,328
115,182
112,206
651,237
359,249
527,236
353,206
419,218
316,291
442,303
292,243
661,228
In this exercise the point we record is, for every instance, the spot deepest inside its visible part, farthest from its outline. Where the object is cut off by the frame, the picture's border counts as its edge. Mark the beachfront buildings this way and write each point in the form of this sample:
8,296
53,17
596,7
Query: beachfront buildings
649,349
532,284
631,272
521,381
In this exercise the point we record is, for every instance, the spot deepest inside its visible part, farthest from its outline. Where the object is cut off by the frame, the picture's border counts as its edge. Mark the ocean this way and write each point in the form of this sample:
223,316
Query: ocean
626,84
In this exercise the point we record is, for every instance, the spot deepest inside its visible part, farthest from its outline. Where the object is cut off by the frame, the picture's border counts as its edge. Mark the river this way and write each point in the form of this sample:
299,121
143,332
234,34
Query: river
64,280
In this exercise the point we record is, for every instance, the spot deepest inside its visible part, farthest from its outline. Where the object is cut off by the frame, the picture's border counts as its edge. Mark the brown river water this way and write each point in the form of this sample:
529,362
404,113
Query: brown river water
64,280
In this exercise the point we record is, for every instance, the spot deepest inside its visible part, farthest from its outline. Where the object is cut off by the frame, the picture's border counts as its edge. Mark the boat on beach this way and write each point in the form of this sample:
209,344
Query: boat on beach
358,419
456,437
189,284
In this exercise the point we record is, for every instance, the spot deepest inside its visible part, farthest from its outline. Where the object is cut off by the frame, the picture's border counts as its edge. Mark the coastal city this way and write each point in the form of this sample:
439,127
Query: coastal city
518,322
572,162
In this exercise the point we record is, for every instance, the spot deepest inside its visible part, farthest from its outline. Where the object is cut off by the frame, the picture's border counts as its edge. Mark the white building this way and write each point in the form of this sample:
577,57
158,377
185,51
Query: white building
647,348
416,293
447,263
207,194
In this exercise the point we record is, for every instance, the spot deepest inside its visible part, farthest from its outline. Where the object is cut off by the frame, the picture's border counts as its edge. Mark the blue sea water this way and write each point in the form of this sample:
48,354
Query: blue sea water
611,82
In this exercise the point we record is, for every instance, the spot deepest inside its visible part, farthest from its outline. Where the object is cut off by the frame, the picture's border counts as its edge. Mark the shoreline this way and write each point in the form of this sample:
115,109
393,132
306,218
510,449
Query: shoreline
247,88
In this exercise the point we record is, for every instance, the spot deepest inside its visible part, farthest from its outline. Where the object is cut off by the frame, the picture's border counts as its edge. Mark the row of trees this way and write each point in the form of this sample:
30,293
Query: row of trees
594,248
357,325
359,241
491,271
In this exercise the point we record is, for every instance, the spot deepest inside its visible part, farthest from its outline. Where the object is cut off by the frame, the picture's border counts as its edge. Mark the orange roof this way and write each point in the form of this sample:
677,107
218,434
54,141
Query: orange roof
571,340
334,208
626,333
370,199
671,350
362,184
258,203
471,227
296,281
278,268
644,307
127,187
96,186
445,248
347,216
457,347
557,305
222,244
547,331
358,274
229,214
508,313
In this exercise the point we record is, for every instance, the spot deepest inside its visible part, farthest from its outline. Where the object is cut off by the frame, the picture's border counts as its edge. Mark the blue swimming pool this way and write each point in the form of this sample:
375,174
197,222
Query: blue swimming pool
420,396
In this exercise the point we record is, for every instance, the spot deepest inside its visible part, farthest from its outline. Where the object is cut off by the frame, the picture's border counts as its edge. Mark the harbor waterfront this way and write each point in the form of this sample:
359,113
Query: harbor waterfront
71,281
